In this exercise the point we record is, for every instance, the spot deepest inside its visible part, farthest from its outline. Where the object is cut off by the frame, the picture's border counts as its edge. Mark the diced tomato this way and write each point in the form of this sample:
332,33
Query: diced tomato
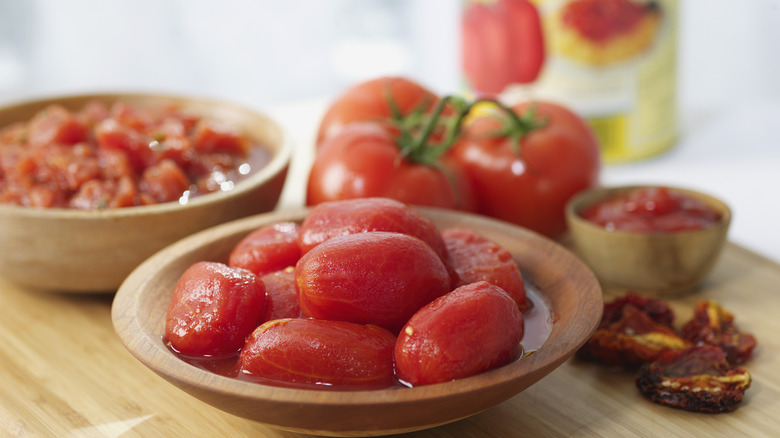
165,181
210,137
56,125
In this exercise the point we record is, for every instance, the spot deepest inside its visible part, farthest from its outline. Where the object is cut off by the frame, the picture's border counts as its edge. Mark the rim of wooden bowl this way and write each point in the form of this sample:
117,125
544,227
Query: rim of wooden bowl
573,292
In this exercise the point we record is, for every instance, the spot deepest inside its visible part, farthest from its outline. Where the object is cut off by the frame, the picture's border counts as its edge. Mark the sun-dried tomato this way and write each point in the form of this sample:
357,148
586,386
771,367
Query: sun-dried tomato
713,325
657,310
697,378
635,338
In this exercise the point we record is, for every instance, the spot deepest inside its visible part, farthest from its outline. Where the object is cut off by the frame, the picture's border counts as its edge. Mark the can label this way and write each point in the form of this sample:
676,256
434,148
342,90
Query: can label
612,61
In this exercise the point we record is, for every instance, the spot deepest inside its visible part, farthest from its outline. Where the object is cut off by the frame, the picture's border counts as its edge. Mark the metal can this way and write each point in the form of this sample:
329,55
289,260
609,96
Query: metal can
612,61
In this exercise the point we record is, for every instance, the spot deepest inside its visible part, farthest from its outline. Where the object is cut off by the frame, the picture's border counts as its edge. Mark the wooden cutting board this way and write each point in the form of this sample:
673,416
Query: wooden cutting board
63,372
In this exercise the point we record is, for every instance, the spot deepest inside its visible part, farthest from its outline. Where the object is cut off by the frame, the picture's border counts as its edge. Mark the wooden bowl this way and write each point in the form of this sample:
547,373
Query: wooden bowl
568,288
68,250
660,264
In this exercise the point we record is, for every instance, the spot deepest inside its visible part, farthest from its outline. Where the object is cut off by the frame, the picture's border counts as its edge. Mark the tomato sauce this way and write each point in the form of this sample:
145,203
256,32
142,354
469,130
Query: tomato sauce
120,155
652,210
538,320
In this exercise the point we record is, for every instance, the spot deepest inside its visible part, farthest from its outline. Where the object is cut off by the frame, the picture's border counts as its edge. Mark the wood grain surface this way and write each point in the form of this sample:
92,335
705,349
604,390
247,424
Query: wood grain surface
64,372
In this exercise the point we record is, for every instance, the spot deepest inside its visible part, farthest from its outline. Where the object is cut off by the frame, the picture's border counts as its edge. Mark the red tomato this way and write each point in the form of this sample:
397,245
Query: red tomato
503,44
316,352
376,278
372,101
473,258
213,309
281,296
352,216
529,185
267,249
364,160
470,330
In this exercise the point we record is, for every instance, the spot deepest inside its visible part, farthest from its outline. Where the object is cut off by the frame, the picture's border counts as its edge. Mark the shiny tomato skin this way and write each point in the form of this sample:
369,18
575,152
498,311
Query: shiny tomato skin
530,187
363,160
281,296
338,354
267,249
213,309
473,258
470,330
376,277
368,102
360,215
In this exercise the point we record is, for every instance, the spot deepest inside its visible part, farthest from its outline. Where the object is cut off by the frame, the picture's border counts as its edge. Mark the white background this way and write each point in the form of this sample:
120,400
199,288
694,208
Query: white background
289,58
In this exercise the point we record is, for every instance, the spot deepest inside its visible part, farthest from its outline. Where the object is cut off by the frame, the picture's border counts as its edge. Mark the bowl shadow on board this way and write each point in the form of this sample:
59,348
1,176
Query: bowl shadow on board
568,286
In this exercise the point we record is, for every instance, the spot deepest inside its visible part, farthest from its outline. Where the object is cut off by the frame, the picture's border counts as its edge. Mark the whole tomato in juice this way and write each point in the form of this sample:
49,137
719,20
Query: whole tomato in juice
365,160
335,354
502,44
338,218
267,249
472,258
375,100
474,328
213,309
379,278
524,168
281,296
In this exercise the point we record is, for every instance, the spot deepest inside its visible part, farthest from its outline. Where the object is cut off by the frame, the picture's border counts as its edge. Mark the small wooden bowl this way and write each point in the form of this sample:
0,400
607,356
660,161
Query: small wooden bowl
67,250
660,264
569,288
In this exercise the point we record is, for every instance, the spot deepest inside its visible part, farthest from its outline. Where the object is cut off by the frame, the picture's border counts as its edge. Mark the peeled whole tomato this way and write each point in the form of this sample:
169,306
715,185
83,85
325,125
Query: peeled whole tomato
213,308
319,352
267,249
350,216
473,257
377,277
472,329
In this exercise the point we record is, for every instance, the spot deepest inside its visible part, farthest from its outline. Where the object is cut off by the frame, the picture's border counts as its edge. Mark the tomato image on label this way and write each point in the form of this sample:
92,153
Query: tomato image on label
502,44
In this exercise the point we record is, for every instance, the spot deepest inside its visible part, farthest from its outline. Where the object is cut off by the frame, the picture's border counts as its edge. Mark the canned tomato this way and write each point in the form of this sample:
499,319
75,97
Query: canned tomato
612,61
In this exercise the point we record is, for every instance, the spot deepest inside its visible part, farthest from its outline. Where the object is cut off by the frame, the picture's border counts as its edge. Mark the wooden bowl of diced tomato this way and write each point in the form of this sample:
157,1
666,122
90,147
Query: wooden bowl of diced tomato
92,185
652,239
398,319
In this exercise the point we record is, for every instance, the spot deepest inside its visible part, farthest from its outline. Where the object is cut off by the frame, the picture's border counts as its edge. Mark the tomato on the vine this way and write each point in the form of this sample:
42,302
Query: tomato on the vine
376,100
364,160
527,163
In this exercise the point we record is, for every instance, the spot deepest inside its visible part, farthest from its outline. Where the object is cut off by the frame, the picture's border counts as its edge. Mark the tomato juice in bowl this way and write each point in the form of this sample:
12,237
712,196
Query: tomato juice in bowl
66,249
655,239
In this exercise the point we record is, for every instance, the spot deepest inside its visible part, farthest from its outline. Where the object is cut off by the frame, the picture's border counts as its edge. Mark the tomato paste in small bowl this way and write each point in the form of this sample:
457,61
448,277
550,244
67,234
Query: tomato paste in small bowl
657,239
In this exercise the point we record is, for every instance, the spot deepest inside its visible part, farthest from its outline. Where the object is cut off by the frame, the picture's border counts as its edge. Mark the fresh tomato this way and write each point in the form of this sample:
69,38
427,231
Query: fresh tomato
473,258
378,277
365,160
376,100
503,44
526,164
320,353
213,309
474,328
